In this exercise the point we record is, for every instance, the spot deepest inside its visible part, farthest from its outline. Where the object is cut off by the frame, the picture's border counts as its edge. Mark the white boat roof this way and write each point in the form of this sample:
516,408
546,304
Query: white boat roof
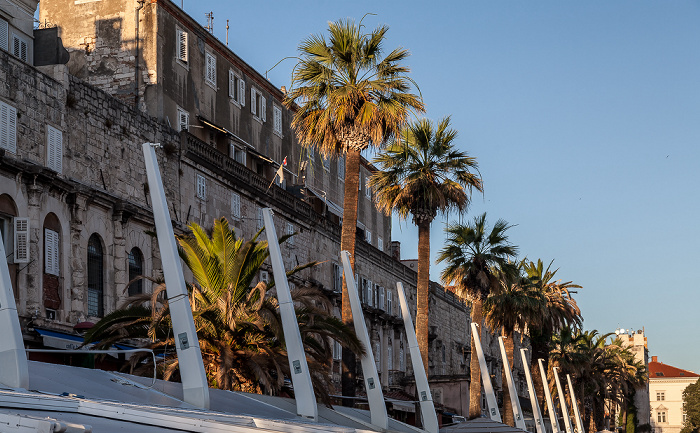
114,402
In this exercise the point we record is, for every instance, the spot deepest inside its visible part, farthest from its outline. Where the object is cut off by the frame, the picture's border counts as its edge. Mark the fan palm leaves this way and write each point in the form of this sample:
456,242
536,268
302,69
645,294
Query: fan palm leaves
237,320
477,259
421,175
348,95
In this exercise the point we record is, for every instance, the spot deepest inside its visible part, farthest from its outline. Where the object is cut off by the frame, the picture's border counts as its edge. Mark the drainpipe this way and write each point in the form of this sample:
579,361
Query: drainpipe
136,67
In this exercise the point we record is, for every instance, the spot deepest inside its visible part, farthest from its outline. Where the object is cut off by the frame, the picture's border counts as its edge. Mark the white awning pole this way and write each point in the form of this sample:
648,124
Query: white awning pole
562,402
494,413
548,398
577,414
427,408
13,359
373,387
298,366
195,389
539,423
514,401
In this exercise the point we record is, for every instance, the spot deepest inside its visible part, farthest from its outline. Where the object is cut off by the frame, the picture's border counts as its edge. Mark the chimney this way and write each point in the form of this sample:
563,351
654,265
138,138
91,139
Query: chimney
395,250
654,359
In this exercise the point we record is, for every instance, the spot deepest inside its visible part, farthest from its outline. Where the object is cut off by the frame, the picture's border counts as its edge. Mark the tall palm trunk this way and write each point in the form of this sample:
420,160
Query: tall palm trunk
423,290
347,243
509,345
474,371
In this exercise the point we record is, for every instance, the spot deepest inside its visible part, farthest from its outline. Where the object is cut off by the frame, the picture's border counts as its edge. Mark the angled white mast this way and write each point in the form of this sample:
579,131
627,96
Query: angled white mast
539,423
373,387
13,358
562,402
494,414
301,377
427,407
548,398
577,415
514,401
194,381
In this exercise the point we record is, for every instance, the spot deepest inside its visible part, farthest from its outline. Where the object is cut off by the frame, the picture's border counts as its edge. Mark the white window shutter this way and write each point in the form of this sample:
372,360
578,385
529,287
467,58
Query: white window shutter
263,108
51,252
381,298
241,91
235,205
8,127
54,149
4,35
21,252
252,101
231,84
183,49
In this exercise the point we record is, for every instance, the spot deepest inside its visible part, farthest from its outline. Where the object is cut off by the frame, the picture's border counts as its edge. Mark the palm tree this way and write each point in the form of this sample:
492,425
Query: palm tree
348,96
514,307
421,175
237,321
474,258
561,311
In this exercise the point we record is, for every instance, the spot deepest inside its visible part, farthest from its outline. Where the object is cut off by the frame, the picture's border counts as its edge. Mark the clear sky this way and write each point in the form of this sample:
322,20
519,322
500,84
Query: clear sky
584,118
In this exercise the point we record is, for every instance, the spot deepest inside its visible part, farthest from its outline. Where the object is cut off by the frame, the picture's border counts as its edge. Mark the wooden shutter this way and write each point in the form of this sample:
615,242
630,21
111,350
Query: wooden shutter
241,91
8,127
182,52
21,251
51,252
4,35
252,101
263,108
54,149
231,84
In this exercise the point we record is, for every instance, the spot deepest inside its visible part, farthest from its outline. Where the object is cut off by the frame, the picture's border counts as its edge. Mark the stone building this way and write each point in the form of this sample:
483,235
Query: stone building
74,205
666,386
637,343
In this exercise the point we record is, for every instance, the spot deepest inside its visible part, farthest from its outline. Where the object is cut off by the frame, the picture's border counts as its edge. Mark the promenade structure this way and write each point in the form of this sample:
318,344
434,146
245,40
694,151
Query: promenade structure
75,211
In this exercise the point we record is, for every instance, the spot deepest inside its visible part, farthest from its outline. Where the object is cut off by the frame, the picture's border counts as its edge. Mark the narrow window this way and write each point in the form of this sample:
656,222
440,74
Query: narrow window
95,268
4,28
290,231
54,149
19,47
277,120
201,187
8,127
341,168
368,191
182,49
368,236
261,220
381,298
21,247
390,301
380,243
51,260
135,271
390,358
183,118
235,205
210,73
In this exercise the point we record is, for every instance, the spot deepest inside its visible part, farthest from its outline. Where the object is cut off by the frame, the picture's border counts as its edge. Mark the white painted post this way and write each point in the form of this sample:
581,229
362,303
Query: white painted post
562,402
195,389
373,387
13,359
577,414
548,398
494,413
514,401
301,377
427,407
539,423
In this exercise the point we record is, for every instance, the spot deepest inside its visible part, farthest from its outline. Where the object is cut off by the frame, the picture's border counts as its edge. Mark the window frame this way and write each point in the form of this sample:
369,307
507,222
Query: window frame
8,127
182,53
380,243
23,45
236,88
183,115
200,186
210,69
235,205
277,120
95,280
51,252
134,271
54,149
258,105
4,35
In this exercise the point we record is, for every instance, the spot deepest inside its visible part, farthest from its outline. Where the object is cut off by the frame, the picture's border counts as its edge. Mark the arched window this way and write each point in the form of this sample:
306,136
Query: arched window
95,265
135,270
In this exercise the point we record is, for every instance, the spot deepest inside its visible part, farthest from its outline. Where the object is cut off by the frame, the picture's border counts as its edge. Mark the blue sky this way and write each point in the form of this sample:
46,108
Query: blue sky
584,118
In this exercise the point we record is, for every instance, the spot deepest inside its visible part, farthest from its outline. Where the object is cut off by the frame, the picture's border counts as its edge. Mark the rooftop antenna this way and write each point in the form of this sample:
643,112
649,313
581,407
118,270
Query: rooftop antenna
227,33
210,22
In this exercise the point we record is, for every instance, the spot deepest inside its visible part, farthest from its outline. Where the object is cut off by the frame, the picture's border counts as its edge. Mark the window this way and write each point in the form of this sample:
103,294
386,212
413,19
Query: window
210,71
183,118
290,231
236,88
201,187
368,236
51,261
380,243
264,276
402,361
19,47
381,298
235,205
368,192
661,416
337,278
261,221
8,127
182,49
370,293
277,120
258,104
337,351
341,168
390,301
389,358
135,271
95,265
21,247
238,154
3,34
660,395
54,149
